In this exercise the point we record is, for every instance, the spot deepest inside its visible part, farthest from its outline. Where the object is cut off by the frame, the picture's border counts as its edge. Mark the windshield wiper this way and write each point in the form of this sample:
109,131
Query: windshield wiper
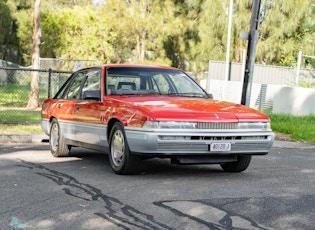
187,94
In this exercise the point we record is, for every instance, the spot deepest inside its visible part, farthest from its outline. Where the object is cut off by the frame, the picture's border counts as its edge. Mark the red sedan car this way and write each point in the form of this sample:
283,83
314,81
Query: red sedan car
135,112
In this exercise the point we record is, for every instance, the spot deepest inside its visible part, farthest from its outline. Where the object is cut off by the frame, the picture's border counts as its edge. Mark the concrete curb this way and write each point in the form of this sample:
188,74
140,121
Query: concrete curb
22,139
292,145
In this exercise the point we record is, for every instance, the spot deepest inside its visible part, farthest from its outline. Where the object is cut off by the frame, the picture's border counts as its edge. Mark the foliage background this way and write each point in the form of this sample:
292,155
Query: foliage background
181,33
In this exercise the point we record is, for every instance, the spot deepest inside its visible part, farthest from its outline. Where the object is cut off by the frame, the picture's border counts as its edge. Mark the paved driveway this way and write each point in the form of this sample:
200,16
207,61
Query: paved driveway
38,191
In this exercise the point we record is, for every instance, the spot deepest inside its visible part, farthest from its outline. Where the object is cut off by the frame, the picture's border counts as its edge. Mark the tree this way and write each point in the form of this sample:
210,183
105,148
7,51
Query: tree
9,40
55,5
140,27
288,28
77,33
33,102
182,33
209,21
8,34
183,36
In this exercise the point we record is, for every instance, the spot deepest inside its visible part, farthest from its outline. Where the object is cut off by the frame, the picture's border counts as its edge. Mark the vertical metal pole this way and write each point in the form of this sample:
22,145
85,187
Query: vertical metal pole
208,79
49,83
297,77
251,52
251,65
243,64
228,42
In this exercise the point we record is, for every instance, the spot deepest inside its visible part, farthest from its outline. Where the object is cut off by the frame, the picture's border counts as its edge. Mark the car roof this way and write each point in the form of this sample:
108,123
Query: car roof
105,66
137,65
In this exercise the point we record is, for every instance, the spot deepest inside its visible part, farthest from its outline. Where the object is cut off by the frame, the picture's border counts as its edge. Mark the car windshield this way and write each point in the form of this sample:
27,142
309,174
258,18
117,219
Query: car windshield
151,81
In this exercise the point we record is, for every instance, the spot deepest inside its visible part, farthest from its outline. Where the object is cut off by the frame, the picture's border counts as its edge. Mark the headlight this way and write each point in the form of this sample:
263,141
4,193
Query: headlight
254,125
169,125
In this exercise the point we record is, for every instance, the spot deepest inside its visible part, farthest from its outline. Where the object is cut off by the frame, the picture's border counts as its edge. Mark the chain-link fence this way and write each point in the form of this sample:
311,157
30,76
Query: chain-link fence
15,85
264,74
15,92
66,64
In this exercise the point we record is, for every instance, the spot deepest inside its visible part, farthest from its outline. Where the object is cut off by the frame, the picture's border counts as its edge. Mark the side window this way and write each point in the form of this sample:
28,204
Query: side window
74,88
71,88
64,89
92,86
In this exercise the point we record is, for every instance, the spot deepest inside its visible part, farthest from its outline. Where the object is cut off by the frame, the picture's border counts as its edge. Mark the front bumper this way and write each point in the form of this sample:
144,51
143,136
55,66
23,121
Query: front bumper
179,143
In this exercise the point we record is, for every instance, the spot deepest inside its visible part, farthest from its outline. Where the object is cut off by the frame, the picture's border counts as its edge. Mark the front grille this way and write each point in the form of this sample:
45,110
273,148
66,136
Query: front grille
208,125
212,138
182,147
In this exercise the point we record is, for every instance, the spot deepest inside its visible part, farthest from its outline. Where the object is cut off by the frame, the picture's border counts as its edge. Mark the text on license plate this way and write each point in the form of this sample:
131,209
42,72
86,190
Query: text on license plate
221,147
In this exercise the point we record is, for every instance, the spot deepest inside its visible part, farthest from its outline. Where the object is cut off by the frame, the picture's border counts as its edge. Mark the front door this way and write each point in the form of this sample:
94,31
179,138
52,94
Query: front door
89,110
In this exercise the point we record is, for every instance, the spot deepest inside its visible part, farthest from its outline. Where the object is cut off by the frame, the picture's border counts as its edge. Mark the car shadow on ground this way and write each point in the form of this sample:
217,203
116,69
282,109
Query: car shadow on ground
152,166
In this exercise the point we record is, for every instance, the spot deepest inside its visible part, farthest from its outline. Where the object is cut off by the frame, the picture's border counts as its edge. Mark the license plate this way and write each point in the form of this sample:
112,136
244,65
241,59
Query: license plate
220,147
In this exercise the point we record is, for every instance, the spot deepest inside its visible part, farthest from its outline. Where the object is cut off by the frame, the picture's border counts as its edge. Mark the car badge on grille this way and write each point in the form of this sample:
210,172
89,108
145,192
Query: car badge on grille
216,116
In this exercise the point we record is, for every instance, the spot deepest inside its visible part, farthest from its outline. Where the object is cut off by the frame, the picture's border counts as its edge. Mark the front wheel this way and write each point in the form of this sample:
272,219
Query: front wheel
238,166
121,160
57,144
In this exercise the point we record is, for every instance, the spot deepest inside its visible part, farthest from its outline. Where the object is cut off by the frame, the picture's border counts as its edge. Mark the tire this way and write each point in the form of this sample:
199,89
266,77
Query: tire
57,144
121,160
240,165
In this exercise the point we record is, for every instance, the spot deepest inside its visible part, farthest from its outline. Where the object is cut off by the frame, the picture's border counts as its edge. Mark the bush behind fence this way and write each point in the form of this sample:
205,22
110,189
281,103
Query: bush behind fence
15,92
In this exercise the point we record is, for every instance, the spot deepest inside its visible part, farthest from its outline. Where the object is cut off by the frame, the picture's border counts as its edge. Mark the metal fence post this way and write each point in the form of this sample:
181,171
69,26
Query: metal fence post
298,68
49,82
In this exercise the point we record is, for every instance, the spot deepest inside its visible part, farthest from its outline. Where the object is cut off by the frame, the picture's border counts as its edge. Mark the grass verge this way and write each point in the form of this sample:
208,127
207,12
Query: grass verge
20,129
19,115
300,128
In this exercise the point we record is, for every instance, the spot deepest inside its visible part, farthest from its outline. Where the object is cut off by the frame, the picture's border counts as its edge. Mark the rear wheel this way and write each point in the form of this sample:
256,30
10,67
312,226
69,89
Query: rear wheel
57,144
121,160
240,165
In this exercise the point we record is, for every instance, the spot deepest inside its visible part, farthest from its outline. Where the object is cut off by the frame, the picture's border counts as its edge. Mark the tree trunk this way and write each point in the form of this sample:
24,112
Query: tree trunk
33,102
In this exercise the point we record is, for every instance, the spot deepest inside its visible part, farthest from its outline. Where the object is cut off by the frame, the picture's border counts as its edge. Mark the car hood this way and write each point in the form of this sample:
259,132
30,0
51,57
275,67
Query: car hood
193,109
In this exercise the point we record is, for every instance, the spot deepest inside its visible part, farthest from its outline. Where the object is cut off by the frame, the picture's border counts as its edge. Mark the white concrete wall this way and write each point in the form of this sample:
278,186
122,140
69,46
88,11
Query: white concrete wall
277,99
294,100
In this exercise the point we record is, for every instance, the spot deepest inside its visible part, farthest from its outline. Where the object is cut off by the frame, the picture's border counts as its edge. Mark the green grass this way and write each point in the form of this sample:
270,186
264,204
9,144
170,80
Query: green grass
13,115
14,95
300,128
13,100
20,129
27,121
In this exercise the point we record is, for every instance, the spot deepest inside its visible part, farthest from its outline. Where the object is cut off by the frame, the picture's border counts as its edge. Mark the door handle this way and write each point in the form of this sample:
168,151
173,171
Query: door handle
77,106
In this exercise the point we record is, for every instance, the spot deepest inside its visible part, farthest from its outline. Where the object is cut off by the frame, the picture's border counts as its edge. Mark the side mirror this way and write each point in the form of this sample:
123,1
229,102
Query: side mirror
92,95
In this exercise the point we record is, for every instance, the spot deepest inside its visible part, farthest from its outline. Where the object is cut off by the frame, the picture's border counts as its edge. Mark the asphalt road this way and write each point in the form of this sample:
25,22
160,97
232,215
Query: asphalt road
38,191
